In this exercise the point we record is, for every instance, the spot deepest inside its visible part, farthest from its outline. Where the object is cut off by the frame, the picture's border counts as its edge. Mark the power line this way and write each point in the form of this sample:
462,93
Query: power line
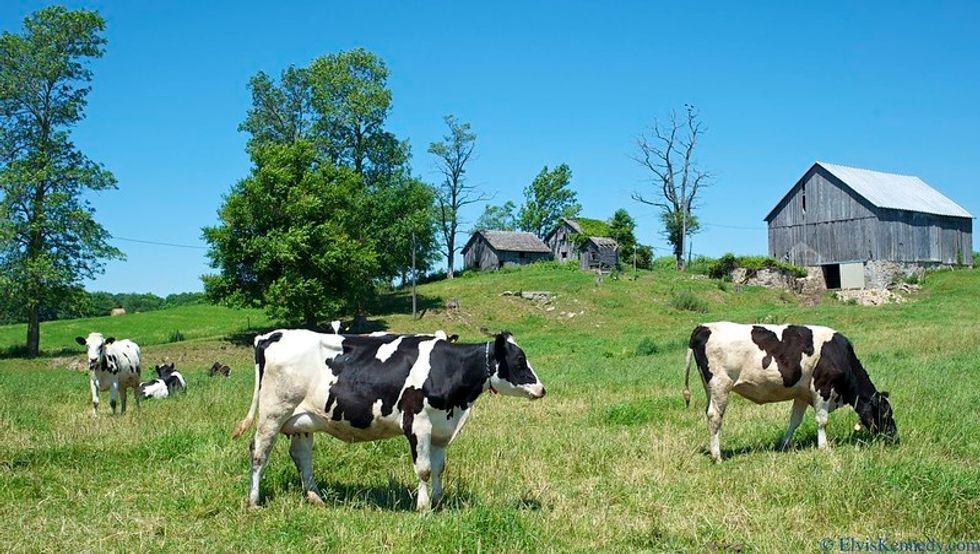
161,243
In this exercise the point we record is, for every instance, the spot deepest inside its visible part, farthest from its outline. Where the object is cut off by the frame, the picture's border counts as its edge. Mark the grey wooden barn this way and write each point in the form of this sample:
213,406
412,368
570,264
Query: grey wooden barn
846,220
495,249
575,239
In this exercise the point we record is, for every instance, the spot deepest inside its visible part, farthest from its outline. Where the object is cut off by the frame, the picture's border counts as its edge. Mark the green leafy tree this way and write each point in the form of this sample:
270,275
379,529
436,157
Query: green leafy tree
621,228
285,239
453,154
548,199
338,107
668,153
49,239
500,218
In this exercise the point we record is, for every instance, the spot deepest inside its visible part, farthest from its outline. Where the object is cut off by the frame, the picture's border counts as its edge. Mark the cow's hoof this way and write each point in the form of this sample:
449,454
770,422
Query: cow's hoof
314,498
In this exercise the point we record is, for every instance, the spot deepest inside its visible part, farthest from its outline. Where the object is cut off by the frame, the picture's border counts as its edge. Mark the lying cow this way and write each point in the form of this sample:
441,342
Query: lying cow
364,388
812,366
112,365
218,368
168,382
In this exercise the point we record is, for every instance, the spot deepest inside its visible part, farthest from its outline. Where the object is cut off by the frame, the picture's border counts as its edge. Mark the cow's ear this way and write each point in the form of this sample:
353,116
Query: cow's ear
110,340
453,338
500,342
80,341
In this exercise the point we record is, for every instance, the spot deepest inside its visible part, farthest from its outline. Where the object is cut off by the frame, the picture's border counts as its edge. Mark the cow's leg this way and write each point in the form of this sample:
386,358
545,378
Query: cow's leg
113,393
301,451
265,438
799,408
716,412
822,409
437,457
422,462
123,394
95,394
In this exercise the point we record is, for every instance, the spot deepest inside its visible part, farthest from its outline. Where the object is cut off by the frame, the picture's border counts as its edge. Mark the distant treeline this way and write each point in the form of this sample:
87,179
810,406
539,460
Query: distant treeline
94,304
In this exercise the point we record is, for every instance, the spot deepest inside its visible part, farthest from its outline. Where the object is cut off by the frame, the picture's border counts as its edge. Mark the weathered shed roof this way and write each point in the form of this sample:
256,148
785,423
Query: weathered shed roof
603,242
511,241
893,191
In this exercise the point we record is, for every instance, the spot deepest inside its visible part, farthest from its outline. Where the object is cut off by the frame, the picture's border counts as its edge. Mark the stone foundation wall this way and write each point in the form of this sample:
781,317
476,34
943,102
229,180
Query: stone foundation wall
770,278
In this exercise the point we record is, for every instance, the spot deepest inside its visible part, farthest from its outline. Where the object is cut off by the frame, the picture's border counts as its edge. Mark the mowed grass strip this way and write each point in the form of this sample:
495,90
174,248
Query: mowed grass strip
610,460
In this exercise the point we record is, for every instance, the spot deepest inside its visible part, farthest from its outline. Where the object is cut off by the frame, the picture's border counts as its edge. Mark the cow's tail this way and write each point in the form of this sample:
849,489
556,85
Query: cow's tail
250,416
687,375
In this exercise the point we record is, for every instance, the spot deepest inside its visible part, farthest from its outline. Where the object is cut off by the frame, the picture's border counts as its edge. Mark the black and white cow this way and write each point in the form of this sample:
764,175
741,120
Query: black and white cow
366,388
168,382
113,365
810,365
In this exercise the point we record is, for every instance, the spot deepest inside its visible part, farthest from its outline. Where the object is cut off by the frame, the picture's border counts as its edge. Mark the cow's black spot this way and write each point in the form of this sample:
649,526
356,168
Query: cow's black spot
697,344
797,340
260,347
363,379
459,372
411,404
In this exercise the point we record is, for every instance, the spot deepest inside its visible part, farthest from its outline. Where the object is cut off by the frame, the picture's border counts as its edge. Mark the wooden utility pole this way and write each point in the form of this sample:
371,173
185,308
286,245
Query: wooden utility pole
413,276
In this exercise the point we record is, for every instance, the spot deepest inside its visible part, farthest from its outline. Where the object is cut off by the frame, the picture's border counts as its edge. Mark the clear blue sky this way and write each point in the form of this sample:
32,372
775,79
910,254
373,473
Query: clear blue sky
889,86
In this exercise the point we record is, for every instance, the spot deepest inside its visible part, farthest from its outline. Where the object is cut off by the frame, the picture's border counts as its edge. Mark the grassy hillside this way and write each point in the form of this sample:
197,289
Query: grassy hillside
192,322
610,460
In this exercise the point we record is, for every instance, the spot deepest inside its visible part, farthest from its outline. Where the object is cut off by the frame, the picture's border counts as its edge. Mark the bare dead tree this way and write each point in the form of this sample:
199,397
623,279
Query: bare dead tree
667,151
452,156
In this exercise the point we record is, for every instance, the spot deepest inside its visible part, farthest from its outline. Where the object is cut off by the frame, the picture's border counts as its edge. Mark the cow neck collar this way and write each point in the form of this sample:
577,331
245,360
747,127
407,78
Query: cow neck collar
489,369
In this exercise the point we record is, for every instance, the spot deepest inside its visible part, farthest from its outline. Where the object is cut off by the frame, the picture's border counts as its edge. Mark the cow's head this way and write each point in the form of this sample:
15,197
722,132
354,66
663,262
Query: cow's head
513,374
876,414
95,348
164,370
219,369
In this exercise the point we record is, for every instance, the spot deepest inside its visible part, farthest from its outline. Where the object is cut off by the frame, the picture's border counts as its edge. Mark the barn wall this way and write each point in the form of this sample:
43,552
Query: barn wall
480,256
918,237
522,258
824,243
826,200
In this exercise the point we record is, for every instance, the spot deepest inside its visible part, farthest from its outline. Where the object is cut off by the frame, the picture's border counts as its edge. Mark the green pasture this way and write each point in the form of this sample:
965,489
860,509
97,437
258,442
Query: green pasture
609,461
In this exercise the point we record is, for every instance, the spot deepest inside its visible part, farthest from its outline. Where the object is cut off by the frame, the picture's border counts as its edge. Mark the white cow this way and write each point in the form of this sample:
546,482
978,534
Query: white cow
112,364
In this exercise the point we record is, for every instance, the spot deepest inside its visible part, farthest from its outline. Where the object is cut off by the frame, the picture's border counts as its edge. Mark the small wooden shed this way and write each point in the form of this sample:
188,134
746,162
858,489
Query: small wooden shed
496,249
599,253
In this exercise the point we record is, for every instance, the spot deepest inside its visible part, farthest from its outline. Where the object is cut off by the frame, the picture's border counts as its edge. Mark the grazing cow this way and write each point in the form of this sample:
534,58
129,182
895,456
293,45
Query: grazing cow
112,365
810,365
366,388
168,382
218,368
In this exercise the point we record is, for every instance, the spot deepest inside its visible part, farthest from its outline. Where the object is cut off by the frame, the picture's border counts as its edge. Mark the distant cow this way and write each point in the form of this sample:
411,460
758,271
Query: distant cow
112,365
810,365
366,388
218,368
168,382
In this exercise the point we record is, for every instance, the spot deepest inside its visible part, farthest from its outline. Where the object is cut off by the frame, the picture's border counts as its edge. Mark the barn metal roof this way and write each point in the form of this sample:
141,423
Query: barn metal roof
897,192
514,241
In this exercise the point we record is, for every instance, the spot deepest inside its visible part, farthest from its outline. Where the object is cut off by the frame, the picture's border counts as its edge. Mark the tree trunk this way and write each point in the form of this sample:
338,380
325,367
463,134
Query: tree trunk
451,249
33,330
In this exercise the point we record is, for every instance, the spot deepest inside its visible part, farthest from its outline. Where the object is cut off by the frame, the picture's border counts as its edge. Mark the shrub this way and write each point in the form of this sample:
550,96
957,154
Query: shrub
646,347
687,301
665,262
724,266
175,336
701,265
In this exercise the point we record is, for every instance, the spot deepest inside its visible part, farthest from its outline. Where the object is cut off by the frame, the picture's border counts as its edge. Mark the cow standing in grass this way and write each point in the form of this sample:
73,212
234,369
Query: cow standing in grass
810,365
114,366
366,388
